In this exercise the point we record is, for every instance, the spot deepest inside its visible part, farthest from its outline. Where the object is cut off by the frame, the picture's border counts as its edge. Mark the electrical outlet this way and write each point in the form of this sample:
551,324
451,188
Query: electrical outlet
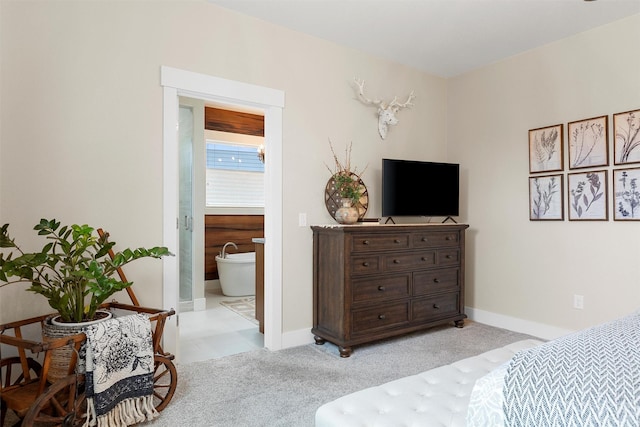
578,302
302,219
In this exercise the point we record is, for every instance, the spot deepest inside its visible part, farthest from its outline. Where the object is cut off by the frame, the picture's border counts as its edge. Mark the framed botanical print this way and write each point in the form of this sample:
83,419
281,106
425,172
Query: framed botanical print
546,198
545,149
626,194
626,133
587,196
588,143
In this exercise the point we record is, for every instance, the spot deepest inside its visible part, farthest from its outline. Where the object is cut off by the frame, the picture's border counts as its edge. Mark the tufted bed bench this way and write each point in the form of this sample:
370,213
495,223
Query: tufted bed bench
435,398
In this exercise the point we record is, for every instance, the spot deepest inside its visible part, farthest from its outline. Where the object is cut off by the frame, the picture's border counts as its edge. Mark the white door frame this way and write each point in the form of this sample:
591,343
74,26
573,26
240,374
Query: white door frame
177,83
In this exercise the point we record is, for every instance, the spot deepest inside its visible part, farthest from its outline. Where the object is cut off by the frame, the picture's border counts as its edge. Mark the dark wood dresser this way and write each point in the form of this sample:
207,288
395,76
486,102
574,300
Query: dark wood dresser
376,281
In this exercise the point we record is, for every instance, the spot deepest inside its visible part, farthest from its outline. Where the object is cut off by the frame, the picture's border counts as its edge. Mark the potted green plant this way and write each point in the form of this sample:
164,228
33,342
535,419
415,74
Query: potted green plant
73,270
348,185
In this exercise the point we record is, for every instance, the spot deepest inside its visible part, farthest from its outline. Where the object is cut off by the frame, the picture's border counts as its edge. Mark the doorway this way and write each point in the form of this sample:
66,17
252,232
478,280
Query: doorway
199,86
221,197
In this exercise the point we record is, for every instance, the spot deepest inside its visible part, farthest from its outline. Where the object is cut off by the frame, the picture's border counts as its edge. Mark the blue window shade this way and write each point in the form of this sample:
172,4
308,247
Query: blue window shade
235,176
233,157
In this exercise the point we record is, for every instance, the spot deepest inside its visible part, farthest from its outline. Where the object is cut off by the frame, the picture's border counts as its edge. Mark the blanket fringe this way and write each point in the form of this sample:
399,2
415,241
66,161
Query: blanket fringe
128,412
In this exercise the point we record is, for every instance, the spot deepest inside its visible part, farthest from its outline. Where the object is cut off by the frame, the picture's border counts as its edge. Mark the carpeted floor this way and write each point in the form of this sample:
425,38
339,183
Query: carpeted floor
284,388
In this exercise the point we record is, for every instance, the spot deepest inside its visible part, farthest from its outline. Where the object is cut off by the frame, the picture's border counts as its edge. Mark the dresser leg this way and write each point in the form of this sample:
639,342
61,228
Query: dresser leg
459,323
345,351
319,340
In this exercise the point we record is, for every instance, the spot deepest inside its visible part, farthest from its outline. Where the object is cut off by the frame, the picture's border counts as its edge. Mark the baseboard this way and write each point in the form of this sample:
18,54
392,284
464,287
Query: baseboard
540,330
515,324
297,338
185,306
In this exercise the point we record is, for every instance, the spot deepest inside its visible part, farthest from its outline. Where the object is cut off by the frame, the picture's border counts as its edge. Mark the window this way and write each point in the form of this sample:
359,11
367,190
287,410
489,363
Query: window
235,175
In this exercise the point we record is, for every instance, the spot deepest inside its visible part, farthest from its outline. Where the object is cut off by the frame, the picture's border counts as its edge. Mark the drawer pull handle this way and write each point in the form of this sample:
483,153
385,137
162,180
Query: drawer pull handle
366,264
424,239
436,280
381,317
423,258
365,242
395,261
448,238
396,240
436,306
447,256
381,288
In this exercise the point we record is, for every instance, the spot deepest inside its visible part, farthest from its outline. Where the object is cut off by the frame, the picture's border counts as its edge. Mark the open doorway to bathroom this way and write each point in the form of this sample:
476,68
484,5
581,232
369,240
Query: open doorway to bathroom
221,215
175,83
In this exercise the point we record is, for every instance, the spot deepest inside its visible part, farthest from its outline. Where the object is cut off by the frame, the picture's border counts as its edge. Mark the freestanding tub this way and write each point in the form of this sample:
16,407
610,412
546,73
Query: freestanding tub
237,274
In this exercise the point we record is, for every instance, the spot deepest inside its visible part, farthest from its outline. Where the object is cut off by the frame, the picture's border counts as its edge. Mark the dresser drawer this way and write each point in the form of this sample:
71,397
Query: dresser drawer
378,242
433,308
380,317
448,257
365,265
381,289
409,260
432,239
436,281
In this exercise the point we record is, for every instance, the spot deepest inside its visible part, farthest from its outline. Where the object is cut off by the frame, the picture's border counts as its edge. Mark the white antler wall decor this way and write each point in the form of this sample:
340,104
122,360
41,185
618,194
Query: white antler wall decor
386,111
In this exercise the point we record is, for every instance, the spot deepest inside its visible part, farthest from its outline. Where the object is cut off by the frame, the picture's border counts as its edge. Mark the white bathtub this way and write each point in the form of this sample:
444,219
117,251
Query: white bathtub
237,274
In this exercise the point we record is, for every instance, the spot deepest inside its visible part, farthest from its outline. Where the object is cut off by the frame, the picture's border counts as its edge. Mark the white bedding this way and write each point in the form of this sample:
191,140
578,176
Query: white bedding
485,403
587,378
435,398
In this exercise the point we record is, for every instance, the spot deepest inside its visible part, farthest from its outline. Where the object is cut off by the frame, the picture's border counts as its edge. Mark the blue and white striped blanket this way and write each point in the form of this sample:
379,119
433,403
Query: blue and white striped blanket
589,378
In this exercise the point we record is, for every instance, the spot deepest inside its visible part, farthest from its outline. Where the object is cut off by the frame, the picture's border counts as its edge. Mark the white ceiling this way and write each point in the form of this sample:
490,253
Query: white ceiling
441,37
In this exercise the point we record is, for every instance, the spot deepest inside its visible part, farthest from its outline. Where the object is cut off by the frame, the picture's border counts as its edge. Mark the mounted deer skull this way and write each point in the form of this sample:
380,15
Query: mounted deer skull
386,112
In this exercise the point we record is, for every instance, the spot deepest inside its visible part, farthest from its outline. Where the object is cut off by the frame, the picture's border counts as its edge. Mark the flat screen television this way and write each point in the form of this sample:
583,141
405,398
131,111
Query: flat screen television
414,188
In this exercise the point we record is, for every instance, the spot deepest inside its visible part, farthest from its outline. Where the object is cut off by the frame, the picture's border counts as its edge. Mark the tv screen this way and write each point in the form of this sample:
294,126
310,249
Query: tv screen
413,188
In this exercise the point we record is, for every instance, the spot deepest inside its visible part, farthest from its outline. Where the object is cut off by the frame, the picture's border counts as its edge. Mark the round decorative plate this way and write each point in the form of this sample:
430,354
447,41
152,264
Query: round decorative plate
333,201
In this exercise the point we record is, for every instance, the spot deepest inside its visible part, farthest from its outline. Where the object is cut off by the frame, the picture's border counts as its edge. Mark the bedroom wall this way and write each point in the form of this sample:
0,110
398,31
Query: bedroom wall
81,140
81,113
530,270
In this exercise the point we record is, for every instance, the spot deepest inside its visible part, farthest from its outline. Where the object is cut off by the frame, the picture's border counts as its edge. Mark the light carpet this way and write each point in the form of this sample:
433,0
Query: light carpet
245,307
284,388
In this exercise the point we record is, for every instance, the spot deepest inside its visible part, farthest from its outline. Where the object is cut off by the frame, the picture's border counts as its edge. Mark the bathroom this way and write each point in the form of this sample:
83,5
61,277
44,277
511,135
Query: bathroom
222,183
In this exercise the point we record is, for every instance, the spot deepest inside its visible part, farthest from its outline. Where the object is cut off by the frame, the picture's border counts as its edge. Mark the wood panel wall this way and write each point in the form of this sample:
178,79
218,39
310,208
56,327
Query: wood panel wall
220,229
233,121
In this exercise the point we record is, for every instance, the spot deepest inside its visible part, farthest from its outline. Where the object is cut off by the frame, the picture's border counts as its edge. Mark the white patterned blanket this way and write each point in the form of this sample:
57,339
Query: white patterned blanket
119,378
589,378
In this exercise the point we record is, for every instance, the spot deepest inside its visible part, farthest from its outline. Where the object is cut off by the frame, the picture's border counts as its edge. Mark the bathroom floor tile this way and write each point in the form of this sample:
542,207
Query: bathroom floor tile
216,332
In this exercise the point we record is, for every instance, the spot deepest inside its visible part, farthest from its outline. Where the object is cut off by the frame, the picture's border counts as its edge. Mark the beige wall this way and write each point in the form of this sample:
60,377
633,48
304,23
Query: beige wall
81,135
531,270
81,140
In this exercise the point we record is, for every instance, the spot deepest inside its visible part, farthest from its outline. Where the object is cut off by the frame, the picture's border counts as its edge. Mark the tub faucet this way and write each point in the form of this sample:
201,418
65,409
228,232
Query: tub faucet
223,254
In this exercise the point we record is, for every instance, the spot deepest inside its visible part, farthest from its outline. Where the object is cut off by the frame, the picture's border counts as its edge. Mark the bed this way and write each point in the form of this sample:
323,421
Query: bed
434,398
588,378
